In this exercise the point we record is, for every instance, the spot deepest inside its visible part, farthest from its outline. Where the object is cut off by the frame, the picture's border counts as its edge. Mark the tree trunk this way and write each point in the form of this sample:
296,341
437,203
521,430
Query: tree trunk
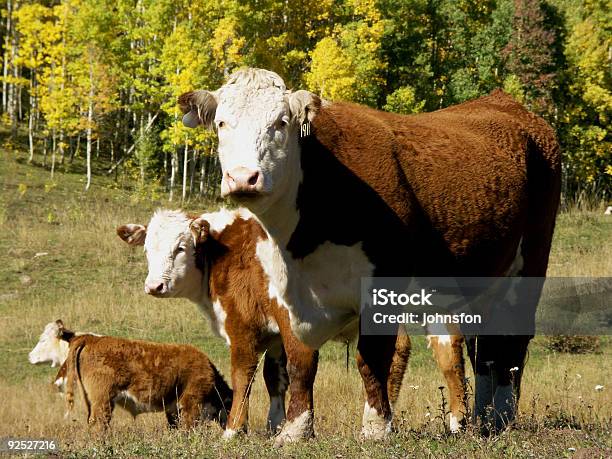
202,174
7,39
53,155
185,163
44,160
31,126
192,169
173,171
89,123
61,145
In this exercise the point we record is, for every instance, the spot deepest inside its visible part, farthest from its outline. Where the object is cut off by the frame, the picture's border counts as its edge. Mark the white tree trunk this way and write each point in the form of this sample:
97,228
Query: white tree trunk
185,163
173,171
53,155
89,124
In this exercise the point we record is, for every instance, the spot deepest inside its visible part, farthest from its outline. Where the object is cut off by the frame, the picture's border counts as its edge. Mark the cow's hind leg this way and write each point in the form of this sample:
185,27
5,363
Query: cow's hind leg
399,364
277,381
374,359
448,352
498,364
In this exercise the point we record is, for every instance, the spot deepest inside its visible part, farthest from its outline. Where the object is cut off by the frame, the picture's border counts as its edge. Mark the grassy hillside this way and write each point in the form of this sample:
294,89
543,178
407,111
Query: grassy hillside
62,259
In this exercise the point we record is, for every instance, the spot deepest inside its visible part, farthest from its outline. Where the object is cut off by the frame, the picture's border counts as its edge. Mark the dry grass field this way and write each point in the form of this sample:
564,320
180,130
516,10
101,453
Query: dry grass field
62,259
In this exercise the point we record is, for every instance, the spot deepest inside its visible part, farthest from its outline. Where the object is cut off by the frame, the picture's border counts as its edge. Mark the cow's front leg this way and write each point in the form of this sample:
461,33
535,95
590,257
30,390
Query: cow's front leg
277,380
302,364
374,358
244,365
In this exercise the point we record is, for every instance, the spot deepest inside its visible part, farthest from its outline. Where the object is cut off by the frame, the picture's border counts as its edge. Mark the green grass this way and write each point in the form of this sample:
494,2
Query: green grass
93,281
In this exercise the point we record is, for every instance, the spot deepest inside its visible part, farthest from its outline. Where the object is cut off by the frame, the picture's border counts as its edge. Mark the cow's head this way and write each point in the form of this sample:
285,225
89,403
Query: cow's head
258,122
170,240
51,347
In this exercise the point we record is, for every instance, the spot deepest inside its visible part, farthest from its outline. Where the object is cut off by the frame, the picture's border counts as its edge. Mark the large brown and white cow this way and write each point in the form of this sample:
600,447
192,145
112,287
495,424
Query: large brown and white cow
211,260
471,190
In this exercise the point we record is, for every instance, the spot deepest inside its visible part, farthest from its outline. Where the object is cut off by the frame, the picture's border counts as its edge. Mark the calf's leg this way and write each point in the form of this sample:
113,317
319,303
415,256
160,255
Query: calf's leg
302,362
244,364
277,380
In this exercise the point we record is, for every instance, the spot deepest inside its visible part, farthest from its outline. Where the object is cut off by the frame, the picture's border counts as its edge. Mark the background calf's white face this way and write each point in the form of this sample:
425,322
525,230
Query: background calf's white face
50,348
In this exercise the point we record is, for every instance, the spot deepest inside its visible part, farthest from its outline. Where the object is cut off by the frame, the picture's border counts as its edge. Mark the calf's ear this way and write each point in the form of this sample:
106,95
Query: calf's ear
132,234
303,106
198,108
62,332
200,230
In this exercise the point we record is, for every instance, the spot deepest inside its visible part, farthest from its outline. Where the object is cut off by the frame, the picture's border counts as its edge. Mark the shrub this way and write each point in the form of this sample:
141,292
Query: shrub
573,344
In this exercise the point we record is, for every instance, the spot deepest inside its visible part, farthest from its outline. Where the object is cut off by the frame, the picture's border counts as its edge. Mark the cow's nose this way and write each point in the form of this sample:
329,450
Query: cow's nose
155,287
243,181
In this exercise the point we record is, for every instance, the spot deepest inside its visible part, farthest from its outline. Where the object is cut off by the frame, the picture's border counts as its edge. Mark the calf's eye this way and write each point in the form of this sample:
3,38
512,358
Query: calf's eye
180,249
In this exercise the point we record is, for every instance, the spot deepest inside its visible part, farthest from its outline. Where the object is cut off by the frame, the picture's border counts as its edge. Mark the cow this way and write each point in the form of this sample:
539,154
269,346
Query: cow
142,377
211,260
345,191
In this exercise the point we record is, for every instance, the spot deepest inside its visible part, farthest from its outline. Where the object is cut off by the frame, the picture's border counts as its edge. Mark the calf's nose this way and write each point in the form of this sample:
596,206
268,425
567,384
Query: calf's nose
155,287
243,180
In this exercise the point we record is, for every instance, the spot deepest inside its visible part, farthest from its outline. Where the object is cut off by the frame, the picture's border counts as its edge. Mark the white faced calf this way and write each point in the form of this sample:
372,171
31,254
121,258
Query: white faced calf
212,260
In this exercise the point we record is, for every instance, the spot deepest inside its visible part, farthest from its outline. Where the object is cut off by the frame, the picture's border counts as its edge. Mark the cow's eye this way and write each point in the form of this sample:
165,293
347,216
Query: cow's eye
180,249
220,124
282,123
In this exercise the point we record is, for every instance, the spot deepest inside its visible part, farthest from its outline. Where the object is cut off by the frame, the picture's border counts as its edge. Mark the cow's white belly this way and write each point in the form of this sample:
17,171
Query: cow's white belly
321,291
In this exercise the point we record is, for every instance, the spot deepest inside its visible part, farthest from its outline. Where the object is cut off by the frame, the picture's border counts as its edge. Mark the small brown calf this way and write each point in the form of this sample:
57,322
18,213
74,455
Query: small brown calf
142,377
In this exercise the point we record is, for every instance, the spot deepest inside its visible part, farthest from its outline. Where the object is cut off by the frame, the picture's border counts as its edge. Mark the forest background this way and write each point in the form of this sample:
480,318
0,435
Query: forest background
94,83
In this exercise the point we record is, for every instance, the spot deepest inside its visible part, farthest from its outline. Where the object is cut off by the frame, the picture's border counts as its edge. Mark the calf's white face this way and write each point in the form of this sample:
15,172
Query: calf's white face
258,123
170,251
50,348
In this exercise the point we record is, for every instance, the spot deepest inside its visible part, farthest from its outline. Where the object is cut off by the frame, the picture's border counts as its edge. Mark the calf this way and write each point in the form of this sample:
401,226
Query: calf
211,259
143,377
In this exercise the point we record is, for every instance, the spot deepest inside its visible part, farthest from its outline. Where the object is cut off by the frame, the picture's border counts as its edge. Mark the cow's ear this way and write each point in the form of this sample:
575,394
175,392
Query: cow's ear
200,230
132,234
303,105
198,108
62,332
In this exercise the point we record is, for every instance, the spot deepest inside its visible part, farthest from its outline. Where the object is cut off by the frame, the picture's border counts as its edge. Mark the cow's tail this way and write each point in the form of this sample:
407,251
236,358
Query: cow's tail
398,365
73,377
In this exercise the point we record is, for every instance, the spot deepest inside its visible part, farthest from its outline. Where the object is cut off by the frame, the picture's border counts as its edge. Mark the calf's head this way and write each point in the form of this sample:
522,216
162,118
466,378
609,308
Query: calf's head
170,241
52,345
258,123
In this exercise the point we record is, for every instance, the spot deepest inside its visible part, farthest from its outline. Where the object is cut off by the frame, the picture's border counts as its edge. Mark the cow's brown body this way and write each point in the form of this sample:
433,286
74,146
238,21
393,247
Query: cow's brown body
142,376
471,190
458,192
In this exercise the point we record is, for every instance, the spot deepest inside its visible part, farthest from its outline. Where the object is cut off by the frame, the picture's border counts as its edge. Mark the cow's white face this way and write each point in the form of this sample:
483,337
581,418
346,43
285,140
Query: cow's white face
50,347
170,250
258,145
258,123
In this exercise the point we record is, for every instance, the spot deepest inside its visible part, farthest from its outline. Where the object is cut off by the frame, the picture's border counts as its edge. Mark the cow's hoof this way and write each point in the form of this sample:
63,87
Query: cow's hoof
228,434
456,424
374,426
300,428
